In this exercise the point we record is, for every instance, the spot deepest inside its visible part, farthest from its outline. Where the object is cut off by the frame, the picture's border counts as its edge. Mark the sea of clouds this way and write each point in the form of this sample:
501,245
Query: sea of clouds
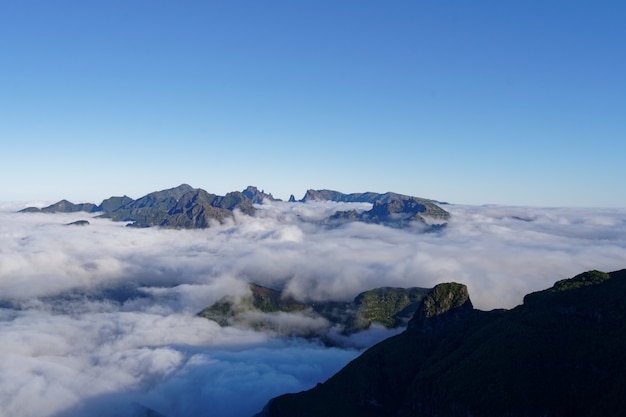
101,320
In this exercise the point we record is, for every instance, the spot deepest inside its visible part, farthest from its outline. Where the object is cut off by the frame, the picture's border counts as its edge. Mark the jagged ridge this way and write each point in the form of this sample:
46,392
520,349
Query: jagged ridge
388,208
192,208
178,207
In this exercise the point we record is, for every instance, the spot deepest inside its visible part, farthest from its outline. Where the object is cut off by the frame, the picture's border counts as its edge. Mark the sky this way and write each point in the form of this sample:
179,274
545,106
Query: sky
101,321
485,102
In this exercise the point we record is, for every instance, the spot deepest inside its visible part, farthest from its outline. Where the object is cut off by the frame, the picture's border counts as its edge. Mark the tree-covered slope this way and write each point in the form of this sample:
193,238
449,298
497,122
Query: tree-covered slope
561,353
391,307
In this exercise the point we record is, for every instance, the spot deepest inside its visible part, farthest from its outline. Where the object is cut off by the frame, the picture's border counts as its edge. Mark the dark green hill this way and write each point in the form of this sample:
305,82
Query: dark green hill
561,353
392,307
257,196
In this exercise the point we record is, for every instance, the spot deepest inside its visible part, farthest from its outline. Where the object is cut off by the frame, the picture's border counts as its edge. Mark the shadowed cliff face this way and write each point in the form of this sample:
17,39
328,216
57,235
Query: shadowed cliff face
375,383
561,353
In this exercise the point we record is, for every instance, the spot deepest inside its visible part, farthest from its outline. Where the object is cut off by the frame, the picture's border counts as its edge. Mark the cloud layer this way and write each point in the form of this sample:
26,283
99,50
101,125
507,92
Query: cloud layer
100,320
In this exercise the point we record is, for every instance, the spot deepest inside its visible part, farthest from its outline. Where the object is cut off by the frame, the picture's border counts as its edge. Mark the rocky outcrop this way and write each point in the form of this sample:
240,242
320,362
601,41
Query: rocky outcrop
445,305
79,223
256,196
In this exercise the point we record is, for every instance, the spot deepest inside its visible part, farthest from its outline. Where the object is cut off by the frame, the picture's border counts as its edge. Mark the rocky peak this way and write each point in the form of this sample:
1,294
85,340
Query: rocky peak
445,304
257,196
313,195
234,200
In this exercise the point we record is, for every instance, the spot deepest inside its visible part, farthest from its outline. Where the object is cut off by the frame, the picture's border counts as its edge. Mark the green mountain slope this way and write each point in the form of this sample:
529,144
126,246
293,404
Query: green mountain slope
561,353
391,307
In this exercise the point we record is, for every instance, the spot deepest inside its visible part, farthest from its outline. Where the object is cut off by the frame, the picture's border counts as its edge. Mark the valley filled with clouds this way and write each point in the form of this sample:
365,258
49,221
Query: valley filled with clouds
101,320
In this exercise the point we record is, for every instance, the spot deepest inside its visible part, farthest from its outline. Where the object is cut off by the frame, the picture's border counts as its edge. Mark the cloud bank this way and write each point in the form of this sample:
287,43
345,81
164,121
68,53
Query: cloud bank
101,320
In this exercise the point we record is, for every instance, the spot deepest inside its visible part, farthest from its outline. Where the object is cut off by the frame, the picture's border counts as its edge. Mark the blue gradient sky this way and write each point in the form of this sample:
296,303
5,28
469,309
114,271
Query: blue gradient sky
506,102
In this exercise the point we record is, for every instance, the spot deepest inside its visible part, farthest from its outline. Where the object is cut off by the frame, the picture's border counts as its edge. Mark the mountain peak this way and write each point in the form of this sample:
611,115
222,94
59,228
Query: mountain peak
446,303
257,196
175,192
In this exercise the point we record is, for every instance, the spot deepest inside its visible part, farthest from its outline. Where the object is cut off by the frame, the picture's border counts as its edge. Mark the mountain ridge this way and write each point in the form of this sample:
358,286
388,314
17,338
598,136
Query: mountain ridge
391,307
391,209
561,353
186,207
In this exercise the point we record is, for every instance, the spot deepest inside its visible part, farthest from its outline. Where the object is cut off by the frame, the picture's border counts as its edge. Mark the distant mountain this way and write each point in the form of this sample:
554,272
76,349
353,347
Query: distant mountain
63,206
330,195
79,223
178,207
191,208
112,204
256,196
562,353
391,307
150,210
368,197
199,209
390,208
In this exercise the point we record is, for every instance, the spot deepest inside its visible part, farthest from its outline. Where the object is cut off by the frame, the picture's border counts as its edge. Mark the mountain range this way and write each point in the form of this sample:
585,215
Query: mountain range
561,353
185,207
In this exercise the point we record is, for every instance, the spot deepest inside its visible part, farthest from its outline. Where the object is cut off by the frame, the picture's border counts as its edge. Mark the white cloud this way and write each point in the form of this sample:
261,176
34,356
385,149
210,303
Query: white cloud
100,320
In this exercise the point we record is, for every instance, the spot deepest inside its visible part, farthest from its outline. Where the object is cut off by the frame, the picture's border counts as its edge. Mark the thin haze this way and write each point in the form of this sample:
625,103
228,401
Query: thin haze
101,320
505,102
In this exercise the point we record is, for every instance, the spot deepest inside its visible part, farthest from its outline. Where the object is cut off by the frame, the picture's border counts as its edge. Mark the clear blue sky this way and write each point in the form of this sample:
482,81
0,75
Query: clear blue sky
506,102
